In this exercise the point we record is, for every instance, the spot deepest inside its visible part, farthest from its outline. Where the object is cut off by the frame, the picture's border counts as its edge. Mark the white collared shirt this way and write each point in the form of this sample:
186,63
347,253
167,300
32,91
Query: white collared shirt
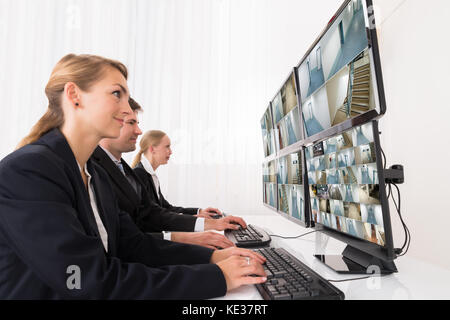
199,222
93,200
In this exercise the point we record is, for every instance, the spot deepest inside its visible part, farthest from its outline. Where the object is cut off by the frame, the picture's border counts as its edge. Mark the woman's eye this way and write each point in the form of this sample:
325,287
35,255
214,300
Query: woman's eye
117,93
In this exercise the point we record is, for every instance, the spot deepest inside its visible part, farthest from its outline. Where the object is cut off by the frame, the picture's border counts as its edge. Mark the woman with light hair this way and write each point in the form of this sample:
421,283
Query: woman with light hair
155,150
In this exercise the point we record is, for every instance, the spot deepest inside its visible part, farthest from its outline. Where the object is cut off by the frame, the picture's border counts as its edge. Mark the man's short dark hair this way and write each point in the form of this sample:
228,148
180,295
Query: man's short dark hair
134,105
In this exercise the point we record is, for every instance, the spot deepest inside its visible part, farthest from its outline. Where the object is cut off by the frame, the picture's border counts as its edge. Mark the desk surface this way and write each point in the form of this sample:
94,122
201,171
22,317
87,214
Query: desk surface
415,279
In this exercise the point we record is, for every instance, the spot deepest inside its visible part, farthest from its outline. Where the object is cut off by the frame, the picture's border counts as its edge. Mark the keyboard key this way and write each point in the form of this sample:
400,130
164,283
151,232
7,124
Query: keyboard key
284,296
269,274
279,273
300,295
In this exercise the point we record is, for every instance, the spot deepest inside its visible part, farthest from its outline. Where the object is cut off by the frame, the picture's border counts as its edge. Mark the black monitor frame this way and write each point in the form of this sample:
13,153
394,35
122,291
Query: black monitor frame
361,254
375,69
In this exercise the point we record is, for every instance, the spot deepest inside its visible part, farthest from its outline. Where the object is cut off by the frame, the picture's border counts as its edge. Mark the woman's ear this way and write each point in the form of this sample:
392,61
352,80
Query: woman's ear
71,92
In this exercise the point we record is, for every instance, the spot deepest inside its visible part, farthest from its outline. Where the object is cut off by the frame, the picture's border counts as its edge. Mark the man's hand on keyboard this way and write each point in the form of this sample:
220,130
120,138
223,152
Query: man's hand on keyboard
229,222
209,239
209,213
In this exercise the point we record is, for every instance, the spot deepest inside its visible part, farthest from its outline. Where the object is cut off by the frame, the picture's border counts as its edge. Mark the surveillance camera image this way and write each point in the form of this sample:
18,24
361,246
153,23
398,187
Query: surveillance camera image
270,184
290,186
335,78
344,184
286,114
268,133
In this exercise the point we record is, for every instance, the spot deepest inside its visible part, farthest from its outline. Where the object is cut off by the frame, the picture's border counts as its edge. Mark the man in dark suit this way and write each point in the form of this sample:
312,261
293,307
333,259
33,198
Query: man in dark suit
133,197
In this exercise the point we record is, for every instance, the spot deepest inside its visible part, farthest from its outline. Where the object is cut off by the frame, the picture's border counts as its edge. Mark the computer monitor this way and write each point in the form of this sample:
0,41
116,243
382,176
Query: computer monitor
270,184
286,114
340,81
268,133
348,199
291,189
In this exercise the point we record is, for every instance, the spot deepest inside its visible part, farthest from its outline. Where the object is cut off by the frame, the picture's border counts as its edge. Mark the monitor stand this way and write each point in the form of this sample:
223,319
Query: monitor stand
354,261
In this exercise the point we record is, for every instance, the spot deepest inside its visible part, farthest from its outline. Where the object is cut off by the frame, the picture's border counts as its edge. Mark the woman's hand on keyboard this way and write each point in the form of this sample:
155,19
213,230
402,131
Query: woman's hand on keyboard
240,266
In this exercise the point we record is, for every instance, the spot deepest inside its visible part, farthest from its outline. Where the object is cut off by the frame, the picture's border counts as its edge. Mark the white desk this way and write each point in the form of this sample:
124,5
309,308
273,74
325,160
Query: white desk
415,280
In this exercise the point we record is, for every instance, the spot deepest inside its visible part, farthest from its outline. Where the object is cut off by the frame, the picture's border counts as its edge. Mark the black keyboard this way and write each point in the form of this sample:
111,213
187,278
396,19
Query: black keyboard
247,238
290,279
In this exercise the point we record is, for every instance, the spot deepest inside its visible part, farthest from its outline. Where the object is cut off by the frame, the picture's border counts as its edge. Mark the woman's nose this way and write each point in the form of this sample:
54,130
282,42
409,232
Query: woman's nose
126,109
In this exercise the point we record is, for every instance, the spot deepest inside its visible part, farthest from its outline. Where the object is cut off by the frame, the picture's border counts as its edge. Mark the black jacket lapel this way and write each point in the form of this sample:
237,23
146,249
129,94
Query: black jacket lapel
118,178
56,141
152,184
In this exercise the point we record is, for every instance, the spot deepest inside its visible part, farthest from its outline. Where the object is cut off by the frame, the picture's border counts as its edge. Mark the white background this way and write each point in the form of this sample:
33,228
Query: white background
205,70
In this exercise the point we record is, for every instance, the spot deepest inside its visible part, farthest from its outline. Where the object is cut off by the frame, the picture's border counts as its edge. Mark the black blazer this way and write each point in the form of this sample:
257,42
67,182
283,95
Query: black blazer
150,185
47,225
148,215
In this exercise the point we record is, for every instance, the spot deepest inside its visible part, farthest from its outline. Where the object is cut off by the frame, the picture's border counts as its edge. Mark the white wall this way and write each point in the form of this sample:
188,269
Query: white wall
204,71
416,123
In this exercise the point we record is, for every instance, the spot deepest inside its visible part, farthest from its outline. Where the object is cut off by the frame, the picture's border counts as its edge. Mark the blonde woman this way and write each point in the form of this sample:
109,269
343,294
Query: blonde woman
62,235
155,150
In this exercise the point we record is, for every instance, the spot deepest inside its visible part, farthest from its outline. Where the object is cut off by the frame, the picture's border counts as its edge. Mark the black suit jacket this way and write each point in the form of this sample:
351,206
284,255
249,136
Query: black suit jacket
150,185
47,225
148,215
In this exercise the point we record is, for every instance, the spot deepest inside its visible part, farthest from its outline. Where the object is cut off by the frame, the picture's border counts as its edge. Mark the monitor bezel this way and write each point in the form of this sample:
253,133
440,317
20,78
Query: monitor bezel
374,53
387,252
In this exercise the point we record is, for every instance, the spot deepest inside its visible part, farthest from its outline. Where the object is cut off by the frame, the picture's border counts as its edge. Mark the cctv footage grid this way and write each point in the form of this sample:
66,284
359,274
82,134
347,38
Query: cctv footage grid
268,133
286,115
290,186
335,79
344,185
270,184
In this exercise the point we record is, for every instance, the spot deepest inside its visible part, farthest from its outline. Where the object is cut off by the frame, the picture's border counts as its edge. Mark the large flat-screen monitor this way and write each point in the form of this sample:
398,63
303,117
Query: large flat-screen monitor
291,188
286,114
348,198
268,133
340,81
270,184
